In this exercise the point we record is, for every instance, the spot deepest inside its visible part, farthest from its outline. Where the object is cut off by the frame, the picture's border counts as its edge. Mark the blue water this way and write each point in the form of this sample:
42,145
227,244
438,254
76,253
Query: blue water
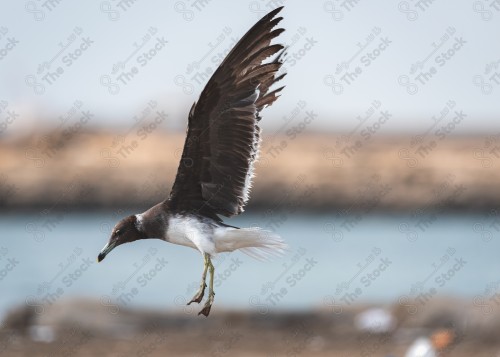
332,260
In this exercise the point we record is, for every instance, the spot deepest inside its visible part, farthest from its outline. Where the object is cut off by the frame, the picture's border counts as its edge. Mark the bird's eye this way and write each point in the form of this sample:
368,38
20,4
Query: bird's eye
117,232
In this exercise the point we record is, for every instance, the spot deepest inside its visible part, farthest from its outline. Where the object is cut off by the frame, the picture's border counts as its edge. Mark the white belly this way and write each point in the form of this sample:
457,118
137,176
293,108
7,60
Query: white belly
191,232
207,238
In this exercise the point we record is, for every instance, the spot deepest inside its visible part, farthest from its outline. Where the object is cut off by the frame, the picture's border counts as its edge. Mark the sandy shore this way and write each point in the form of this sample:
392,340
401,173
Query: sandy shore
307,171
89,328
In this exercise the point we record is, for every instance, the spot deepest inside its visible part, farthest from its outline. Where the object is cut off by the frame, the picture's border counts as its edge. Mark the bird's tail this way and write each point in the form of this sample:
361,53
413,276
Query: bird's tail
254,242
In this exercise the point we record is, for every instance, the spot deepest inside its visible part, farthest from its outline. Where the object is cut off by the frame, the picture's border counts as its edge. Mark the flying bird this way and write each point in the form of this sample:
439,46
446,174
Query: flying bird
217,164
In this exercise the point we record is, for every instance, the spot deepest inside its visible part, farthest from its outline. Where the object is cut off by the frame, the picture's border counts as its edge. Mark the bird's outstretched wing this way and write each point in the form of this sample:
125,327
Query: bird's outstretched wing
223,136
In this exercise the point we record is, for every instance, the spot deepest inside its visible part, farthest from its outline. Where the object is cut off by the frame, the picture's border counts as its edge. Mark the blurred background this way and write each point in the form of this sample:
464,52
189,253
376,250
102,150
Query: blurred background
379,166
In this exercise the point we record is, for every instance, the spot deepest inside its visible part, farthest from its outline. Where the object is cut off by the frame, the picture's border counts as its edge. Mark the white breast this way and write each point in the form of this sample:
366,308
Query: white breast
190,232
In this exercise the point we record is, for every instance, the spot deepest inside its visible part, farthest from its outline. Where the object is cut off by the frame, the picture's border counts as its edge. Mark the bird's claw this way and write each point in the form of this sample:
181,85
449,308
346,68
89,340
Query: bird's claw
199,295
208,305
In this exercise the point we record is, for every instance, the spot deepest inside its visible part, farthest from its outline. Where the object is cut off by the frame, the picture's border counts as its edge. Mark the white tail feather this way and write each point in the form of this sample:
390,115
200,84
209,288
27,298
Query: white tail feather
254,242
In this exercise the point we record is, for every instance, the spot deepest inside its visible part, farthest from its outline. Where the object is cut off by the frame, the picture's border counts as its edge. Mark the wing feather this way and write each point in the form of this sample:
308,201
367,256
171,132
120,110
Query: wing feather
223,136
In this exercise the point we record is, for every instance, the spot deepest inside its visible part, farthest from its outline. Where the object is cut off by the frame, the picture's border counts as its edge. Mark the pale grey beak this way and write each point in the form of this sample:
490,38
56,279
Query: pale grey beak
108,248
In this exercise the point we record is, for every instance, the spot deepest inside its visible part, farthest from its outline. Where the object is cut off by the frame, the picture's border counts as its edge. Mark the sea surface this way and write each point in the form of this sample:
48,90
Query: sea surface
332,260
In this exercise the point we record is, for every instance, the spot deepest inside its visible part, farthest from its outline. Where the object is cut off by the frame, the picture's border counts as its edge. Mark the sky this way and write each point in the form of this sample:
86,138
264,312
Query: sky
390,66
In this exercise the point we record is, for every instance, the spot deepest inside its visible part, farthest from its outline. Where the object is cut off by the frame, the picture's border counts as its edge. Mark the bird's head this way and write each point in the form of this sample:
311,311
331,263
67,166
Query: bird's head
125,231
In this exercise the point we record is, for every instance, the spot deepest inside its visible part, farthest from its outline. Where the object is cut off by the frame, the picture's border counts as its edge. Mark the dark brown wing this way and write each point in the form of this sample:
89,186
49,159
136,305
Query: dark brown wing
216,168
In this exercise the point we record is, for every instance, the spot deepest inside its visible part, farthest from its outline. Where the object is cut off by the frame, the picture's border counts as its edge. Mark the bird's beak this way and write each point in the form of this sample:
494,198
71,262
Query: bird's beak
108,248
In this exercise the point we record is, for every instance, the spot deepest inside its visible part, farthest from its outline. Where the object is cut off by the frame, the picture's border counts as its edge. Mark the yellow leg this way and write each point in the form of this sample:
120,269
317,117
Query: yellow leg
201,291
211,294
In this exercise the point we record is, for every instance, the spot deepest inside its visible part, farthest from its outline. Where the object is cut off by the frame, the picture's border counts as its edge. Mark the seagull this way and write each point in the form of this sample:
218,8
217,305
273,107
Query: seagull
215,173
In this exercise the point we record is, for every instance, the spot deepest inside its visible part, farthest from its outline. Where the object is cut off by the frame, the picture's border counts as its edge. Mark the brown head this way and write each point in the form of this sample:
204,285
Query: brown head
125,231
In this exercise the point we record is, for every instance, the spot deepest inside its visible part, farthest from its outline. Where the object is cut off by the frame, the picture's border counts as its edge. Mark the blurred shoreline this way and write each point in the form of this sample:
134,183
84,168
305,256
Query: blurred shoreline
100,170
77,326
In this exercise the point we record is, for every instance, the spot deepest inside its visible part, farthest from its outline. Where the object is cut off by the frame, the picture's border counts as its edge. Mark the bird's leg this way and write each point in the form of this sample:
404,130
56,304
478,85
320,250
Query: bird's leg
201,291
211,294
